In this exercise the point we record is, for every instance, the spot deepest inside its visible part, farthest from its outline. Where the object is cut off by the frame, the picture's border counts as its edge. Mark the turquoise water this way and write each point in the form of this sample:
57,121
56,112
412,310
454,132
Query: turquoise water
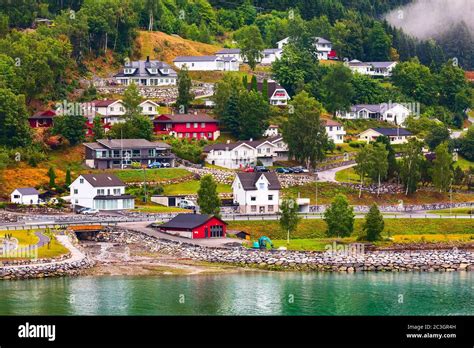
248,293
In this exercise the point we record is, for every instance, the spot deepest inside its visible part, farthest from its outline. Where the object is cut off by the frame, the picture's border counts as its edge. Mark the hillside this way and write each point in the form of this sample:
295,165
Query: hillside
164,47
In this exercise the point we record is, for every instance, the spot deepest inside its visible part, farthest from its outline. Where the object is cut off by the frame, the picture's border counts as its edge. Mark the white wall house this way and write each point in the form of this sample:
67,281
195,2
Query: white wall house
241,154
335,131
395,135
149,108
110,110
322,46
207,63
231,53
270,55
147,73
377,69
100,191
393,113
25,195
256,193
271,131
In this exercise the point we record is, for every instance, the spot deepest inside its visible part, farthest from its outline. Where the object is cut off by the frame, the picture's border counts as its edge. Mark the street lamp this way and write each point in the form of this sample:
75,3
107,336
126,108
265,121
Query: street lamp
144,185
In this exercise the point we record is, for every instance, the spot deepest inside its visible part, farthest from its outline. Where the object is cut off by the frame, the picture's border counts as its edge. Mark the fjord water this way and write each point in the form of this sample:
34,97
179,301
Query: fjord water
247,293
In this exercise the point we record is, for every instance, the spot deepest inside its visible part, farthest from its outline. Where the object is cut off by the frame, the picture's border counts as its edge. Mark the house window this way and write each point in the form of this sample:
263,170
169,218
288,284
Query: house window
195,125
209,135
81,181
261,186
100,192
270,197
195,135
187,135
116,192
188,125
75,191
253,208
203,125
219,153
253,198
270,208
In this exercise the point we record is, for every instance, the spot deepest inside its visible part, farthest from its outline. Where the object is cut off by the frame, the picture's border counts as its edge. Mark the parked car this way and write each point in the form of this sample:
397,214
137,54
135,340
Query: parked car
249,170
166,165
155,165
300,169
187,204
282,170
260,169
90,211
80,210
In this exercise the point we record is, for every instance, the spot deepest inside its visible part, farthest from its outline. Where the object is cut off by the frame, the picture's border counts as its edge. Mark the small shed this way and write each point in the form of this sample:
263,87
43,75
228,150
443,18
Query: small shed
168,201
239,234
195,226
25,195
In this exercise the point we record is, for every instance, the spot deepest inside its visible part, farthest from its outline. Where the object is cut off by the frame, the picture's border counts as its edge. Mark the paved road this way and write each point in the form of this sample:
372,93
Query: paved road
330,174
417,215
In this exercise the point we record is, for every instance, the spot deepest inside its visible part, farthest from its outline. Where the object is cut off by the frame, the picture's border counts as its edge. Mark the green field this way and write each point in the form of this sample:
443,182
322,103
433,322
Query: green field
157,208
464,163
191,187
463,211
155,175
28,237
348,175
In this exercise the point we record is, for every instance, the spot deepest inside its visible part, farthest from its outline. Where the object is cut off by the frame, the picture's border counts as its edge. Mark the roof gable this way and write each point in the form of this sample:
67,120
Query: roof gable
102,180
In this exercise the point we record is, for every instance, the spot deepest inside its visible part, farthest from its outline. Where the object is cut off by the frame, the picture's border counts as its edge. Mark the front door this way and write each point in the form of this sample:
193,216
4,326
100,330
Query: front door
262,210
206,233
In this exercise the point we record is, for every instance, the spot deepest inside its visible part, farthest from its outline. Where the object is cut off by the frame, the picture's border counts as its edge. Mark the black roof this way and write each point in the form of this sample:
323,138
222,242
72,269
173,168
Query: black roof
249,180
102,180
188,221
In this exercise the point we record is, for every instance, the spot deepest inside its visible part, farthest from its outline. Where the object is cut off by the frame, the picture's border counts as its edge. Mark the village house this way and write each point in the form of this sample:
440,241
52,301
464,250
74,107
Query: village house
42,119
121,153
25,196
147,73
100,191
270,55
191,126
256,193
231,53
277,95
395,135
322,47
376,69
393,113
207,63
195,226
335,131
281,152
241,154
271,131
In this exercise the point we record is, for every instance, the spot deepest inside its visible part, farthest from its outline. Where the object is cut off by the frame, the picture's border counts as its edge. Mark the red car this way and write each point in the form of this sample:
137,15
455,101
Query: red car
249,170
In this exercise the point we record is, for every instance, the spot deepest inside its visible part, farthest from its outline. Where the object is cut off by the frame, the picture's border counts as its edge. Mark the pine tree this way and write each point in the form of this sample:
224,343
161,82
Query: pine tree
374,224
97,128
254,83
52,177
68,180
245,81
185,96
339,218
442,168
208,199
265,89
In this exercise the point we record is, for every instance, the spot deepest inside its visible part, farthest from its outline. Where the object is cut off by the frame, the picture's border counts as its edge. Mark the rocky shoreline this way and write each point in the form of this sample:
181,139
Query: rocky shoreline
353,260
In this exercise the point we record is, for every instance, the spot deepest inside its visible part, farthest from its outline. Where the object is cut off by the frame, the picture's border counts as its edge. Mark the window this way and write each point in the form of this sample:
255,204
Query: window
150,108
270,197
18,196
253,208
203,125
76,191
253,198
188,125
116,192
195,135
217,231
81,181
270,208
195,124
209,135
100,192
261,186
187,135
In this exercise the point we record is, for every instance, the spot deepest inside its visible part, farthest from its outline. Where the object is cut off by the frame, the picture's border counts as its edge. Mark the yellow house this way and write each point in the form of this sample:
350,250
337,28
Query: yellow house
396,135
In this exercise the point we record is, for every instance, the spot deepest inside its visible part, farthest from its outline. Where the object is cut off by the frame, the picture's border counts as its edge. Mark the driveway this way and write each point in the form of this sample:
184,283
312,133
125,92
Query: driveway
330,174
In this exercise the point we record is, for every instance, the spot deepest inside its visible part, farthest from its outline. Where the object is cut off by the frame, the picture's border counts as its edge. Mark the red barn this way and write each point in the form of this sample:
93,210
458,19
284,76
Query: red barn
42,119
191,126
195,226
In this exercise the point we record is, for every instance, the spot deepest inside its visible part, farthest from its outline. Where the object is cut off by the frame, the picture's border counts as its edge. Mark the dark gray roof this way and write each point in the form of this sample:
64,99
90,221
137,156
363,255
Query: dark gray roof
392,132
102,180
28,191
249,180
126,143
187,221
382,65
272,50
322,40
141,67
231,146
195,59
229,51
376,108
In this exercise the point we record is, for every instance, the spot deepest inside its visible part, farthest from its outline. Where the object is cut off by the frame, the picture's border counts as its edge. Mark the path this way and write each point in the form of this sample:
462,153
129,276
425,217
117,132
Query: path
330,174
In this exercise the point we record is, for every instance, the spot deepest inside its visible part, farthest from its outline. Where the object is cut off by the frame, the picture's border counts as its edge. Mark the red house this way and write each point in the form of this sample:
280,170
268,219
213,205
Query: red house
42,119
195,226
197,126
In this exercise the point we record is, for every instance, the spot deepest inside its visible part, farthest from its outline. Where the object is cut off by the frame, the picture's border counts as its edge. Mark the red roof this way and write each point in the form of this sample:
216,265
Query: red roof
103,103
331,123
469,75
44,114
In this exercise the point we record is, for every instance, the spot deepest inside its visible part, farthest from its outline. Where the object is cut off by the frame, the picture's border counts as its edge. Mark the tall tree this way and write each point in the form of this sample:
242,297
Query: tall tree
98,128
411,165
131,102
338,90
378,43
68,180
71,127
208,199
185,96
250,42
265,89
289,218
254,83
363,165
392,161
14,128
339,217
374,224
254,112
304,132
378,167
52,177
442,168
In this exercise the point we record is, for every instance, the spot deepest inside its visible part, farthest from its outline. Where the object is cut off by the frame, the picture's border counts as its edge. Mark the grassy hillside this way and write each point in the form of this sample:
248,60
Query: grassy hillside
161,46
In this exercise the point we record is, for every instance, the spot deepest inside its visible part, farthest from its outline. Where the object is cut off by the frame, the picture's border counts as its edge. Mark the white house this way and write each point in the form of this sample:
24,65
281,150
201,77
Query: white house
147,73
395,135
110,110
270,55
377,69
241,154
149,108
322,47
335,131
231,53
100,191
256,193
394,113
25,195
271,131
207,63
277,95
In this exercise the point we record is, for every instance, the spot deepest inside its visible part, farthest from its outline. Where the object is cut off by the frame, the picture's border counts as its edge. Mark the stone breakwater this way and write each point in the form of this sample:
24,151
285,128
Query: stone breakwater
377,261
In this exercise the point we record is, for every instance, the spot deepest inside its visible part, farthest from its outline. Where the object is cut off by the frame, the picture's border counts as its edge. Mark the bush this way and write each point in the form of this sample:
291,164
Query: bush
357,144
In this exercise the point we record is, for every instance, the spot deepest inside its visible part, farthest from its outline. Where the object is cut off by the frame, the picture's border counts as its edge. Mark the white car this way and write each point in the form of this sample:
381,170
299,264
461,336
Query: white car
90,211
165,165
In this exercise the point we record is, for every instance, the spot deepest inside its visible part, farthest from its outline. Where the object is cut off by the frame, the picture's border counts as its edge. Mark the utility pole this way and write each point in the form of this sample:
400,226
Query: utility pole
316,192
451,197
145,199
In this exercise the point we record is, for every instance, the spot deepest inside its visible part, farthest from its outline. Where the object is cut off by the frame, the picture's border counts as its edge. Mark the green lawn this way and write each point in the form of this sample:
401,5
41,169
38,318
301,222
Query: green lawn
191,187
157,208
28,237
156,175
464,211
348,175
463,163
